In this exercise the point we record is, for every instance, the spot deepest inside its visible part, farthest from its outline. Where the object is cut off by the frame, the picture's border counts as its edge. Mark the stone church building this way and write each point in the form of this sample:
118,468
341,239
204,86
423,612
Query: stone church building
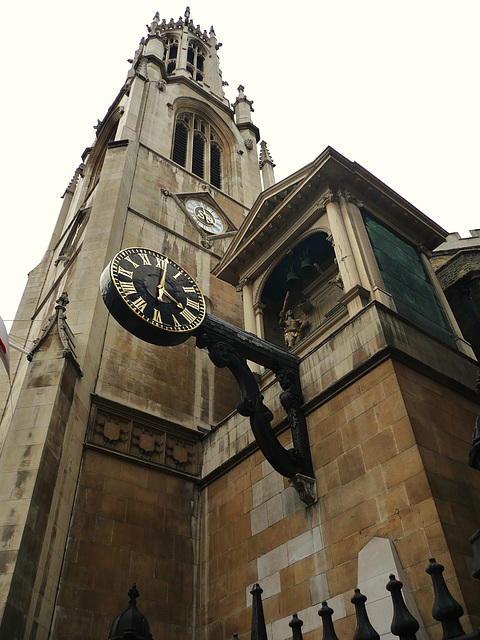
124,461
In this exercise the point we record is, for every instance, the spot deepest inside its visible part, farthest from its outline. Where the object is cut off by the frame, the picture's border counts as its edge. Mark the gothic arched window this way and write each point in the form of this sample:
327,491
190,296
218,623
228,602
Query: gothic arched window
196,147
170,53
195,60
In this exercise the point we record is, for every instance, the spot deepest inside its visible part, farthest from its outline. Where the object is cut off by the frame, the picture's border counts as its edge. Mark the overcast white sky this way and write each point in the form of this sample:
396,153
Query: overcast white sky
392,85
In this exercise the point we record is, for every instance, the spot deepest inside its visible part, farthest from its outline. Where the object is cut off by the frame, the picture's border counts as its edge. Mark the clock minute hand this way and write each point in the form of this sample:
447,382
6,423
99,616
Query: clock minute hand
179,304
161,285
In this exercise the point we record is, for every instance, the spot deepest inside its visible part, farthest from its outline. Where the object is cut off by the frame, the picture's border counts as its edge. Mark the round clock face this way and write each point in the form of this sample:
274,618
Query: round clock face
205,216
152,296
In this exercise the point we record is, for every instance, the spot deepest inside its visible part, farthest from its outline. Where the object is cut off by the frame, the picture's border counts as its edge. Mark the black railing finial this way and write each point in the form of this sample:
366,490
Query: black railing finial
364,629
445,608
326,614
404,625
259,629
296,625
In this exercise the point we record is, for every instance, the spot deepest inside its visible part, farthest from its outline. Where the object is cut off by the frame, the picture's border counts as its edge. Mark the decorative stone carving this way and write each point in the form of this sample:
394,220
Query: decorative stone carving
305,487
110,431
249,144
147,444
113,429
59,319
181,455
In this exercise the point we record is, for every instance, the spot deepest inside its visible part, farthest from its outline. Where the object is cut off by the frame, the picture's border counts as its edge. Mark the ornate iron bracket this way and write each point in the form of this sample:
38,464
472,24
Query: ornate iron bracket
229,346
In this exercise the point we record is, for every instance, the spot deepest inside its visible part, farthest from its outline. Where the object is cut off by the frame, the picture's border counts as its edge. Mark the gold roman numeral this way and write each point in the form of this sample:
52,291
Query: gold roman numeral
140,304
188,315
124,272
145,258
131,261
176,322
193,304
189,289
128,288
156,316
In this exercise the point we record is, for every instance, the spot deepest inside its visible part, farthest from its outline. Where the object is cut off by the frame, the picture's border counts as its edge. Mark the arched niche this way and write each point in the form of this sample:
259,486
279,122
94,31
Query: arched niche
305,282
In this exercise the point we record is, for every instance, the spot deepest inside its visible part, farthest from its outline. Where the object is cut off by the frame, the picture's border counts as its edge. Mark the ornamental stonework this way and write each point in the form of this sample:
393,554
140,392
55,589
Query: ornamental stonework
164,444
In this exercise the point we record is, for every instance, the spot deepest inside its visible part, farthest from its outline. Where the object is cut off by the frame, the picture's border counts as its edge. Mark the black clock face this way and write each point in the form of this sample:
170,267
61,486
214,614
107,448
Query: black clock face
157,290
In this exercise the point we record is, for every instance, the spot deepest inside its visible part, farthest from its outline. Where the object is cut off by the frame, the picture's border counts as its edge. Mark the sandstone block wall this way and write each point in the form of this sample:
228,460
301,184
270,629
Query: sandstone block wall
383,471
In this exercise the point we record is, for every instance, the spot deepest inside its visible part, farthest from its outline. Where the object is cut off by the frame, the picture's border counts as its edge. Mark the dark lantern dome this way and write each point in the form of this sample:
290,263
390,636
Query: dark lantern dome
131,624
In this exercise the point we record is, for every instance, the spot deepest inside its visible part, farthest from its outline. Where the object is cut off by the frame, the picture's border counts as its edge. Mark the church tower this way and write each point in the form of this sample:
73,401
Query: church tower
173,167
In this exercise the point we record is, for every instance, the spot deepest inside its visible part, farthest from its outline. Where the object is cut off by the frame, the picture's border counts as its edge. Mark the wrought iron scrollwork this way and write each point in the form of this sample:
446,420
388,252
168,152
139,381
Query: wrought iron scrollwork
229,346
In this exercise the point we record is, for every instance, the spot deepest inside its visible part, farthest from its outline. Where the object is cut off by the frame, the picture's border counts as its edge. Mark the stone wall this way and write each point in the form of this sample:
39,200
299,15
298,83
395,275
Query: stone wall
131,523
382,471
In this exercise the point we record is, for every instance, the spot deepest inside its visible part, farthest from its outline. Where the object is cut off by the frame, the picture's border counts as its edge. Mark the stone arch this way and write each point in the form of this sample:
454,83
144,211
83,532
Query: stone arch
301,290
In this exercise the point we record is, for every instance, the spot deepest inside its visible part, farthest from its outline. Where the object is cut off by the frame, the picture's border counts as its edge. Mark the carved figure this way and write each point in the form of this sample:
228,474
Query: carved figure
292,328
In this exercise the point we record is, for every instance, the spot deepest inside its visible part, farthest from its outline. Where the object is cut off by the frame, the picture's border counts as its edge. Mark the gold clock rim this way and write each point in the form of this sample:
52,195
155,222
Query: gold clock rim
143,318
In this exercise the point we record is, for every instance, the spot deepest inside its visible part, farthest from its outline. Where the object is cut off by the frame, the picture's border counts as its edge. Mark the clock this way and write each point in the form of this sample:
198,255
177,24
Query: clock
152,296
205,216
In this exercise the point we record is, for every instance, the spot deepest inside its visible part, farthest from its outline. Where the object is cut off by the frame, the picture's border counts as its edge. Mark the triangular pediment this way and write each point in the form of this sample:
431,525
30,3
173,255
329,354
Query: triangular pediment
279,209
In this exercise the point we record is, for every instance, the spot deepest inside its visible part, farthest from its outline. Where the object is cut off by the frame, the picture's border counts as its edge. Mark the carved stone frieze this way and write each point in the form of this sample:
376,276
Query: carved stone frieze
125,431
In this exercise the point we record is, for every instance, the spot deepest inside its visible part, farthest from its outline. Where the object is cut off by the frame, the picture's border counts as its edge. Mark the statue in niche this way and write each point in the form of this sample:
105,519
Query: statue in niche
293,329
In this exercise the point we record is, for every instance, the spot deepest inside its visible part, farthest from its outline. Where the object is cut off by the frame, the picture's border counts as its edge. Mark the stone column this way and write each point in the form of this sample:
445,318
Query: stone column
355,293
246,287
258,309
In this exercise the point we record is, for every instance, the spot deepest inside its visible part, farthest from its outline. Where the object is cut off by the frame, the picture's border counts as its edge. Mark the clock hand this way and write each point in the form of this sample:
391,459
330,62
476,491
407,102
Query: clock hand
179,304
161,285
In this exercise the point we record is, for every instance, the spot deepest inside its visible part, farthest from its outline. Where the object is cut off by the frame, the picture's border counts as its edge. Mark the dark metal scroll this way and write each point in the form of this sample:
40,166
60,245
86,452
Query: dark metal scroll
229,346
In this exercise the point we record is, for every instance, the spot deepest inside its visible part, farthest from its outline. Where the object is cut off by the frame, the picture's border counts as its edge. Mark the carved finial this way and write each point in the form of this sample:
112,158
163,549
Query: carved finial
212,33
153,28
133,594
241,90
62,301
265,155
187,14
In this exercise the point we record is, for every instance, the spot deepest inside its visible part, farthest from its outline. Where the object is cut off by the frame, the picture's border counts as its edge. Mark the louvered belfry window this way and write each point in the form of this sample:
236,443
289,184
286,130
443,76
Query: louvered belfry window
179,154
198,154
215,165
197,148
